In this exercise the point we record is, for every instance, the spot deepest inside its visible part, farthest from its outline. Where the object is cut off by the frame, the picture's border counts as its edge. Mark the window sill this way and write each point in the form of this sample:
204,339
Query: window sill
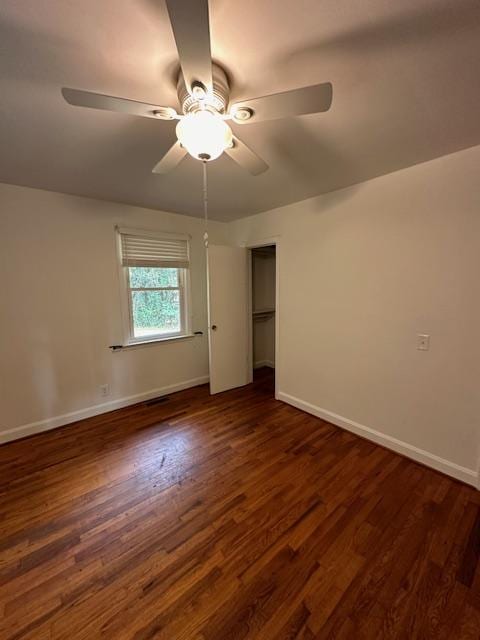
142,343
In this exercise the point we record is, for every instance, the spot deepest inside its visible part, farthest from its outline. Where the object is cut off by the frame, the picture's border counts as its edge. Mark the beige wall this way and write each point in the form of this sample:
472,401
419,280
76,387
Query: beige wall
362,272
60,309
264,342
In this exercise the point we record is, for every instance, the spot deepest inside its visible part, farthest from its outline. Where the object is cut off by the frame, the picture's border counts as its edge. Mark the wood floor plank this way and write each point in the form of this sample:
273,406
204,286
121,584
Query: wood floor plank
232,516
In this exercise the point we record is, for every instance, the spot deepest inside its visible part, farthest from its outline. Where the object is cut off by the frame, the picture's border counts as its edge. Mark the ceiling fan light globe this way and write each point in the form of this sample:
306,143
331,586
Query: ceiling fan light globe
165,113
242,114
204,135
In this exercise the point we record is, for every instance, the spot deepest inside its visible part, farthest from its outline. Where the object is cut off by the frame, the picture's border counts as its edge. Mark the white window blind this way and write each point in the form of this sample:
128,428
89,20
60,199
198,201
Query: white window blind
150,249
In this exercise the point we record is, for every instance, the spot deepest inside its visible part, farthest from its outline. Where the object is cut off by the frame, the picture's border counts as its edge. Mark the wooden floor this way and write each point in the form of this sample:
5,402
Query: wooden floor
234,516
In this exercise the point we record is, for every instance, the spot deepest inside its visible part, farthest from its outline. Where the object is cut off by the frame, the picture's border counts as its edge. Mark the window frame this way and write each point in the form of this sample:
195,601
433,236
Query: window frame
184,288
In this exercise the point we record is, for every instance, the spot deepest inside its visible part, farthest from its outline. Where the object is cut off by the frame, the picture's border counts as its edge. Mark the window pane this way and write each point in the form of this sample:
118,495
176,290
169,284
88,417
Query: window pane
153,277
155,312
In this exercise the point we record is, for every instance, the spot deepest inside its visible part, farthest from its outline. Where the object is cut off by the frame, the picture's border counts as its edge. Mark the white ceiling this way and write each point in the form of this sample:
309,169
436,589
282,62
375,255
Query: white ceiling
405,77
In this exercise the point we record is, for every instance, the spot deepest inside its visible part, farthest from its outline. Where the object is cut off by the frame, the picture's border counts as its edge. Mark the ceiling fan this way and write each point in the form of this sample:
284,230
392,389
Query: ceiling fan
203,92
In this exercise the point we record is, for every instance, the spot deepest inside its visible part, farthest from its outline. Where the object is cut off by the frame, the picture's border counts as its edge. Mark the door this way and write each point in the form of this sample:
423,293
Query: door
227,317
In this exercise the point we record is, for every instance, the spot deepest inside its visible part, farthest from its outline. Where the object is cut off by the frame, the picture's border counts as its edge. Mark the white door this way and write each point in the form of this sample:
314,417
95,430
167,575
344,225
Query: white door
227,317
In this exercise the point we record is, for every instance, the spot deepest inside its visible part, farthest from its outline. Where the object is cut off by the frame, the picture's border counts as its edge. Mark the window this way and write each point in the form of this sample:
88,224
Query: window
155,299
155,270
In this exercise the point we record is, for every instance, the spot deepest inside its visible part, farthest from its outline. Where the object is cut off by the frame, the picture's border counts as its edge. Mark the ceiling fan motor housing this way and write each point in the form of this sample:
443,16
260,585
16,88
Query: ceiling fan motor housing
215,101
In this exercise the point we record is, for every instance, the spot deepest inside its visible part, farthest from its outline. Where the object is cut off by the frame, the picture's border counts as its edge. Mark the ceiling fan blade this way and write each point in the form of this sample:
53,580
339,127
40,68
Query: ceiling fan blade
79,98
191,29
313,99
170,160
246,158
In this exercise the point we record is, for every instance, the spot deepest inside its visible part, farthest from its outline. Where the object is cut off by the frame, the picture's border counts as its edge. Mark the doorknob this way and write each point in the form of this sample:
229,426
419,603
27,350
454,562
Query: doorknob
214,327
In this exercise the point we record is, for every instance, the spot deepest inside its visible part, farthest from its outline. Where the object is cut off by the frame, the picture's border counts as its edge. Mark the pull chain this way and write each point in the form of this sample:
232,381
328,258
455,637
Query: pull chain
205,203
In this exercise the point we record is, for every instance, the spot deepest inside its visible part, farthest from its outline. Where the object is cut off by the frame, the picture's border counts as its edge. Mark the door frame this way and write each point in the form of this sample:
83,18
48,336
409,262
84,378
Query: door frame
256,244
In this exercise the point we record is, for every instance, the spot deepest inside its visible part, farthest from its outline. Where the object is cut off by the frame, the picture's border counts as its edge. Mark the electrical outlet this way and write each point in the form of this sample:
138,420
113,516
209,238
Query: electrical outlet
104,390
423,342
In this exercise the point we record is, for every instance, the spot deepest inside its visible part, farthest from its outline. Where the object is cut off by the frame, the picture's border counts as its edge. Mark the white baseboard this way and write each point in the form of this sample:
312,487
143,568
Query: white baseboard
59,421
264,363
469,476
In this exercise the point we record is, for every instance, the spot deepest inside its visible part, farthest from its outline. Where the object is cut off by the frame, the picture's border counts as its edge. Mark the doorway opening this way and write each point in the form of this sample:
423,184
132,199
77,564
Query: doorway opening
263,303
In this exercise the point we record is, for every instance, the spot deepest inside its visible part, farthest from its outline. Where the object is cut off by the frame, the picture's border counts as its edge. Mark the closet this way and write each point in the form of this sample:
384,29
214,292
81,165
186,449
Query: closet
263,306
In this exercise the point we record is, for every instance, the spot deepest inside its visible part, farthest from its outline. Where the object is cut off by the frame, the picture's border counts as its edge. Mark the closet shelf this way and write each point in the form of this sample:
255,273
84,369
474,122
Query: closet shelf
263,314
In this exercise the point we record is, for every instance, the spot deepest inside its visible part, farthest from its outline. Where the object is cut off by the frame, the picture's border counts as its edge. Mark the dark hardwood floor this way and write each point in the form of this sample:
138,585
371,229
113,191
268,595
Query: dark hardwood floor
234,516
